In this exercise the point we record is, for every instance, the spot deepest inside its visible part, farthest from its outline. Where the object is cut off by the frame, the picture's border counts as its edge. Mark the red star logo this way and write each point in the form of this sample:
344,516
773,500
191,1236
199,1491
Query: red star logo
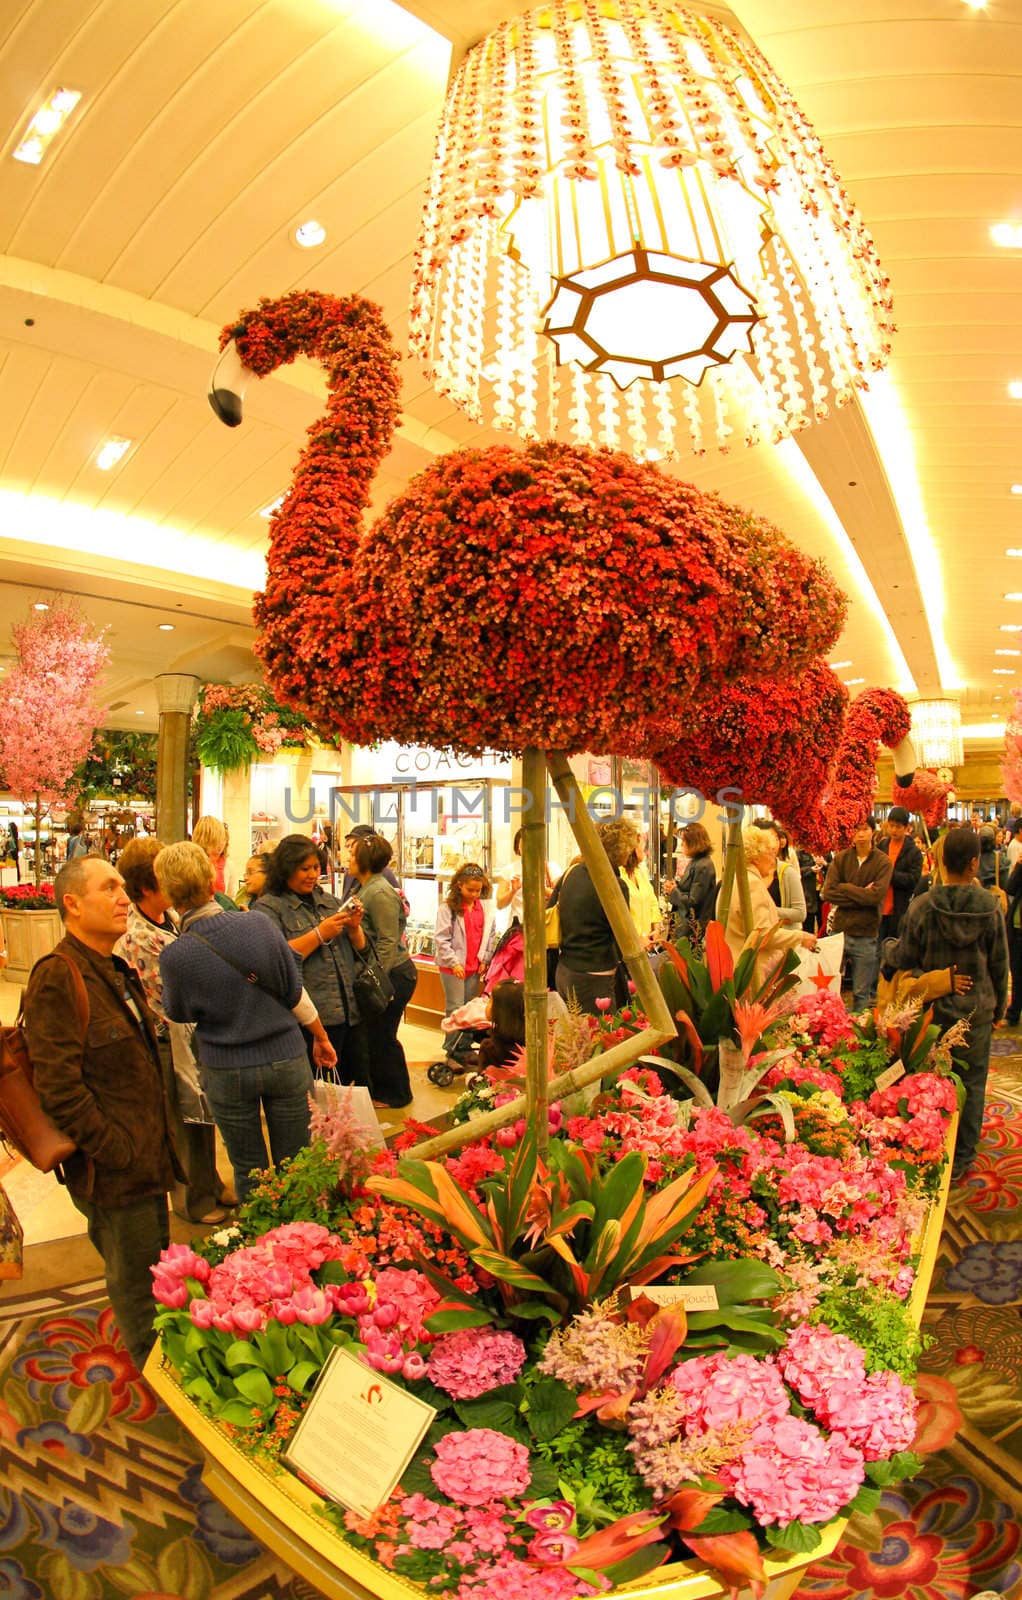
820,979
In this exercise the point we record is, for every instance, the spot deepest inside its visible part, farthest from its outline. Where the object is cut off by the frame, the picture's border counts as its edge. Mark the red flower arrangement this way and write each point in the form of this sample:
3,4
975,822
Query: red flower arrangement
875,717
553,596
926,794
772,742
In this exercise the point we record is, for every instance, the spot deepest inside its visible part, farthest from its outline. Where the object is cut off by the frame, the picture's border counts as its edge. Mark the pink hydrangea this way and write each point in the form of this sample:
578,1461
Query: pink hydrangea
878,1417
814,1359
471,1361
510,1579
920,1091
825,1019
720,1390
789,1470
480,1465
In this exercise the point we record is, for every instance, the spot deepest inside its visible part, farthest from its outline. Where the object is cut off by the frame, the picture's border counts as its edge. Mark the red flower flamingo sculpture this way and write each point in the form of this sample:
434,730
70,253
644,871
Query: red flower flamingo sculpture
553,596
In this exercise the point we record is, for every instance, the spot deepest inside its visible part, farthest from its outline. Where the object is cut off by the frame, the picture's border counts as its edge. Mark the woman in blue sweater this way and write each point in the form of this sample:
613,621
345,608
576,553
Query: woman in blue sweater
237,979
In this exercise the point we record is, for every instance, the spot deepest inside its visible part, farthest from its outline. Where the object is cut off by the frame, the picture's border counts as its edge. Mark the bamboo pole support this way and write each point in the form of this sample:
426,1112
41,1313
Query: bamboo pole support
534,906
608,886
736,873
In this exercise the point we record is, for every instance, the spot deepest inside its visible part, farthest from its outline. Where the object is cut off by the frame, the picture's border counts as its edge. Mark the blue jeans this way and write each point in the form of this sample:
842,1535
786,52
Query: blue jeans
458,991
237,1095
976,1052
864,956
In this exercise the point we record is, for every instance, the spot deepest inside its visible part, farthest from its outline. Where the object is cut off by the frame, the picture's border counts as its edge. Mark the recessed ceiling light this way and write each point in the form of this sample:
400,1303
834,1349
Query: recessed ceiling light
45,125
114,450
140,713
850,683
1008,652
1016,488
1011,627
1013,594
1004,672
838,666
998,697
1008,234
166,627
310,234
274,505
40,605
1012,552
1015,389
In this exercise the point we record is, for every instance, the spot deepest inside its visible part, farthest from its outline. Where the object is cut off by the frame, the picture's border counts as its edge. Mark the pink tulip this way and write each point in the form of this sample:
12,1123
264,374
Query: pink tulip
202,1313
384,1315
553,1547
555,1518
506,1138
247,1318
414,1367
312,1306
603,1004
170,1292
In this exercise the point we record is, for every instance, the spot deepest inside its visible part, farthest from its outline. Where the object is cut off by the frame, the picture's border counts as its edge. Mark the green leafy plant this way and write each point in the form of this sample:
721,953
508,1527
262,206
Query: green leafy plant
882,1325
307,1185
554,1237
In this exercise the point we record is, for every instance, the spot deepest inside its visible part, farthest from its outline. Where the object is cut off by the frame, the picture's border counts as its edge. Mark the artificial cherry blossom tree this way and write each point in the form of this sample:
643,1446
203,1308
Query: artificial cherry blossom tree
49,707
1011,769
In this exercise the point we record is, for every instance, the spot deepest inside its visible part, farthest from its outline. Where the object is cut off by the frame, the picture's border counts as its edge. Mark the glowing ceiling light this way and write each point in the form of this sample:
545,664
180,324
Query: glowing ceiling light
310,234
1011,552
1008,652
274,505
1004,672
40,605
1007,234
45,125
850,683
838,666
166,627
937,732
892,438
1016,488
114,450
1013,594
633,234
1015,389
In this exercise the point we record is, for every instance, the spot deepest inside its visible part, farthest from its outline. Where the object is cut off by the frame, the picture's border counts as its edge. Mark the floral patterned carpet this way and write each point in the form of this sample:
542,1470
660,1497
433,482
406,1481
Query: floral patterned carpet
956,1530
101,1492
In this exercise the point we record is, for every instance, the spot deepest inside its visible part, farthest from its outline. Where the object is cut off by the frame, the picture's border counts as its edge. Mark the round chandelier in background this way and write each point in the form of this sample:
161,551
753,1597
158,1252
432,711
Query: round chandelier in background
937,732
632,237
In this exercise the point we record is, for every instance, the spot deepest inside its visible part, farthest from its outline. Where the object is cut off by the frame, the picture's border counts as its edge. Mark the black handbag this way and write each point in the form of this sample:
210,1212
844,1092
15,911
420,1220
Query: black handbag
373,988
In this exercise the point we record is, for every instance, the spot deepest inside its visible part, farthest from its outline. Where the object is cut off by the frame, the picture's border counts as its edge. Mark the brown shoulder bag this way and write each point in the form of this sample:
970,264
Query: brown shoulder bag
24,1124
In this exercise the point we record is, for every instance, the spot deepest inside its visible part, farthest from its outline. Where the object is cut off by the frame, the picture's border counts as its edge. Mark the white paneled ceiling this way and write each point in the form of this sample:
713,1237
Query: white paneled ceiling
208,131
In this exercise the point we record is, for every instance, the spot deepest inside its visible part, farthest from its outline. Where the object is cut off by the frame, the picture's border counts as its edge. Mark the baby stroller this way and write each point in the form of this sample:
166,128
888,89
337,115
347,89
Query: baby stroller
466,1028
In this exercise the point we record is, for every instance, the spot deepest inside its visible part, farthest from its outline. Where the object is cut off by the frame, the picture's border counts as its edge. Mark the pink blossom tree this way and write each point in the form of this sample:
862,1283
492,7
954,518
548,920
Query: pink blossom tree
49,708
1011,769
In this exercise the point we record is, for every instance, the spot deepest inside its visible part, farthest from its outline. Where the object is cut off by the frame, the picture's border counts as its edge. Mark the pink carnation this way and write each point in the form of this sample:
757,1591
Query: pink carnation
788,1470
721,1390
480,1465
473,1360
814,1359
878,1417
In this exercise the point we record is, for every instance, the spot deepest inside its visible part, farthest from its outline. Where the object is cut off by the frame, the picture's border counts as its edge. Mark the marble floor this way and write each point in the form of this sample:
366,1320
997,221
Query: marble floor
47,1214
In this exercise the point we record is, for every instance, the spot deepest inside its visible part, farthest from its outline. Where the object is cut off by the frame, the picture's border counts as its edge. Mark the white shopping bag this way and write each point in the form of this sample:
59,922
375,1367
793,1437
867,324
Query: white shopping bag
327,1092
820,969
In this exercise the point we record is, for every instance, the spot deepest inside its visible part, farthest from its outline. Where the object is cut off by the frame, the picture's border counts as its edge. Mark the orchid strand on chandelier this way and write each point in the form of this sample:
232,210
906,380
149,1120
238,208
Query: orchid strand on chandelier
632,234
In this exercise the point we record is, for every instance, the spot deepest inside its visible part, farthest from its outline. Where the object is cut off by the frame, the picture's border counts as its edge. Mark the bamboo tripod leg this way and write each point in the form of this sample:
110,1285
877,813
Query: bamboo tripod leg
534,904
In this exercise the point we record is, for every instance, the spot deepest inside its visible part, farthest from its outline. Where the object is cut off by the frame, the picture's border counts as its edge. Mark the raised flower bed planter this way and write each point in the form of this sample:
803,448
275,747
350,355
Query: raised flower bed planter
28,933
291,1518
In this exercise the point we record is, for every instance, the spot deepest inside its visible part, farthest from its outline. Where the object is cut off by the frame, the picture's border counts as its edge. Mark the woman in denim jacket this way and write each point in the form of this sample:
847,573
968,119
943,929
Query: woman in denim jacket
325,940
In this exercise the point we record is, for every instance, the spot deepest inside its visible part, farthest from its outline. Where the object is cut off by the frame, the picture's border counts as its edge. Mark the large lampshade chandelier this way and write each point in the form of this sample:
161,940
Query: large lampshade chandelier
937,732
632,234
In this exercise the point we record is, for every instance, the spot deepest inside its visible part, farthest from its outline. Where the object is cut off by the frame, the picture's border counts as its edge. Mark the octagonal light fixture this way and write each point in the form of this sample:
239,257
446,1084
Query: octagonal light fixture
649,315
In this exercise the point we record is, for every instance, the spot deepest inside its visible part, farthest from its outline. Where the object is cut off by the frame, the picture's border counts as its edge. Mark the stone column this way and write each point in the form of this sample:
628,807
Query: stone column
175,694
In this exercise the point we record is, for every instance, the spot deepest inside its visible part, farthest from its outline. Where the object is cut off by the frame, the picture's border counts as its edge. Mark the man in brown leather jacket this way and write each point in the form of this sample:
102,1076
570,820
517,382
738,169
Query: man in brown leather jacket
104,1089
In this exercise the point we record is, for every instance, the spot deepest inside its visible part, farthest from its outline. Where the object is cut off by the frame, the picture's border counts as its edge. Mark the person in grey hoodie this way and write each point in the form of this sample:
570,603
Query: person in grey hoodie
960,925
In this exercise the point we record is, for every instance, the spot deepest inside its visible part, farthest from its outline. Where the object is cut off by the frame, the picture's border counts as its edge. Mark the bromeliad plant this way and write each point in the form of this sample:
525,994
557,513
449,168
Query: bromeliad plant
555,1236
722,1007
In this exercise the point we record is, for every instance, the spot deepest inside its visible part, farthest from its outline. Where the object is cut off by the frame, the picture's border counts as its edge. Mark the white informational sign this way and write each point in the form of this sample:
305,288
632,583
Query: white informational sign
692,1296
357,1435
890,1075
